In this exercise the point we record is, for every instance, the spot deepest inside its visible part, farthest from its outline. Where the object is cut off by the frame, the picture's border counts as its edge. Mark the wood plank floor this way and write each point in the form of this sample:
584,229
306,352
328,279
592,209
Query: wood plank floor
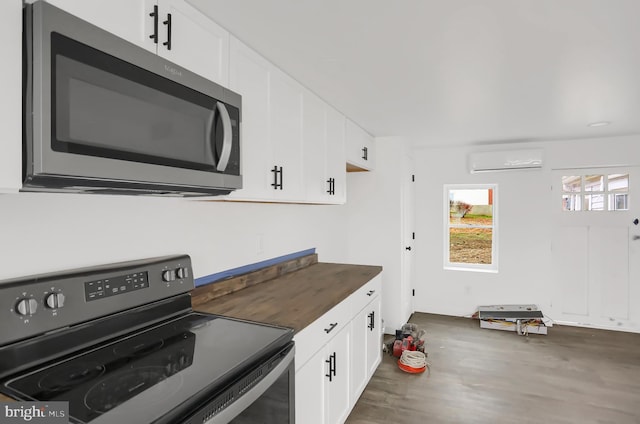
572,375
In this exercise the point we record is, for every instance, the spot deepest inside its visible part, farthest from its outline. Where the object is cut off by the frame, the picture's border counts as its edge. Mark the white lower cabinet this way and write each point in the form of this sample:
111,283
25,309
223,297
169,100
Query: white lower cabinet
366,334
332,370
322,384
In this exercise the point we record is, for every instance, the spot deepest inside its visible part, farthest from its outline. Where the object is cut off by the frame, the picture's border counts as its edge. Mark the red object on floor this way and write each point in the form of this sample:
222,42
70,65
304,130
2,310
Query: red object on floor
397,348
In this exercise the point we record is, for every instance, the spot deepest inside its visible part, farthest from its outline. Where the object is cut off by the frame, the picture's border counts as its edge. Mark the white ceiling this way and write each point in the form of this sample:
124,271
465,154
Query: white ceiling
446,72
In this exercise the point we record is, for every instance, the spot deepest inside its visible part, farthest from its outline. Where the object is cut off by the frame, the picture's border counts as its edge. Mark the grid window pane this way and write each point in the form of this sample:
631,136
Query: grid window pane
594,183
571,202
594,202
618,202
571,183
618,182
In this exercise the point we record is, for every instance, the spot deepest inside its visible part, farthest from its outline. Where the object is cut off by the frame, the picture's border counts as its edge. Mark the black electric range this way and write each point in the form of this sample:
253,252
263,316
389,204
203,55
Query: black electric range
121,343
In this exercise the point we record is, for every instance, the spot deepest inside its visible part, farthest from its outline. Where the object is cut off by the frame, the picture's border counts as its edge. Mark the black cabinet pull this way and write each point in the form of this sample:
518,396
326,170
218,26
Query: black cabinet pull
168,24
407,248
332,185
331,327
332,366
365,153
372,319
277,182
370,292
154,15
281,178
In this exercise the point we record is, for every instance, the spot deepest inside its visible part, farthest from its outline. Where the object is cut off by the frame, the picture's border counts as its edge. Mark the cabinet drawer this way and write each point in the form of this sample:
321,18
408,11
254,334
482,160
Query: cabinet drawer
312,338
365,294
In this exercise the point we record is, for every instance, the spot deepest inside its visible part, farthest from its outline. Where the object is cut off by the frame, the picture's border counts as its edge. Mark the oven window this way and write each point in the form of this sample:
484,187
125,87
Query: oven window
103,106
275,406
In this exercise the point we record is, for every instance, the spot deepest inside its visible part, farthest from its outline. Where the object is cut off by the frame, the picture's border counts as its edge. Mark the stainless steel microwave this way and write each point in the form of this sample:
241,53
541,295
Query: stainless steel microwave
106,116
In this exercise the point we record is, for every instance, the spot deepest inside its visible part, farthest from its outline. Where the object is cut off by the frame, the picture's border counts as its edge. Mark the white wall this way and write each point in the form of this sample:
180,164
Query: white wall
525,223
42,232
375,224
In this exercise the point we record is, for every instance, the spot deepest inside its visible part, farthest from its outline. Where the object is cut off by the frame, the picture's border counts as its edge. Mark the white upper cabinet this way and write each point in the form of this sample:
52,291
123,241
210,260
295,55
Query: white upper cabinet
360,148
196,42
171,28
336,154
271,129
249,77
285,124
324,154
10,110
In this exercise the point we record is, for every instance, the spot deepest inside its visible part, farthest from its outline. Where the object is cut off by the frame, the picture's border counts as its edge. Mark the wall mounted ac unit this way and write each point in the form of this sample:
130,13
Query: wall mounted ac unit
505,160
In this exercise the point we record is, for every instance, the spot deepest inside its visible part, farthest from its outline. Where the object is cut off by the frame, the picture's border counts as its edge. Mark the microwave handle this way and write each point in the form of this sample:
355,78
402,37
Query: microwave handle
228,137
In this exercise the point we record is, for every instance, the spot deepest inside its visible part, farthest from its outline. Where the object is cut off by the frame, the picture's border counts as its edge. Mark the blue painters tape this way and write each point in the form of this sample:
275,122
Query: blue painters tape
225,275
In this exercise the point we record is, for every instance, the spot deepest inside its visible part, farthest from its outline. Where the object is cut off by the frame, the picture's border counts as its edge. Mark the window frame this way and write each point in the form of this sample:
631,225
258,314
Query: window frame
459,266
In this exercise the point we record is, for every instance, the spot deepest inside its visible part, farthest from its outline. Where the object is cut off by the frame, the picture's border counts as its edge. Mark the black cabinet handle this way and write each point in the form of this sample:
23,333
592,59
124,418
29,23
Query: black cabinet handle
331,327
372,319
332,366
407,248
168,24
154,15
365,153
277,182
370,292
330,373
636,222
332,185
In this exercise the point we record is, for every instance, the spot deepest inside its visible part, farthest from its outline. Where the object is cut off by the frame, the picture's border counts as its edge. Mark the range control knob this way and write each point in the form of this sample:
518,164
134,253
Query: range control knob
54,300
182,272
168,275
26,306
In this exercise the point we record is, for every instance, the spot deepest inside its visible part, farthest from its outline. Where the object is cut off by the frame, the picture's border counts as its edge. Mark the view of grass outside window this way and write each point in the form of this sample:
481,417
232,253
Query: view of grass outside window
471,227
602,192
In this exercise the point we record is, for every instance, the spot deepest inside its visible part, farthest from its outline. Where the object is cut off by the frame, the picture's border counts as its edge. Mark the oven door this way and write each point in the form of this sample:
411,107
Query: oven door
269,401
104,108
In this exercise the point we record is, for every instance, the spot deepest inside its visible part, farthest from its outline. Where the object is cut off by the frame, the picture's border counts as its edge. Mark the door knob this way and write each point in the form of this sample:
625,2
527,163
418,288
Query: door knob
635,221
408,248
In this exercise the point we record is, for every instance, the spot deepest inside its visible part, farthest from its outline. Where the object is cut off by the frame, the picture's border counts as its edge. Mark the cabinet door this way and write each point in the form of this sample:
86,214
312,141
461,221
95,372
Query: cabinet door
314,134
337,390
359,347
285,125
310,402
360,147
10,111
249,77
374,336
335,155
128,19
197,43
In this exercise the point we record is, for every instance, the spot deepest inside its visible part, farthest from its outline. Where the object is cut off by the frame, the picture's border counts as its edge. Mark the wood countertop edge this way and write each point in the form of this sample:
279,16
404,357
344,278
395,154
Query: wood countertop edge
296,299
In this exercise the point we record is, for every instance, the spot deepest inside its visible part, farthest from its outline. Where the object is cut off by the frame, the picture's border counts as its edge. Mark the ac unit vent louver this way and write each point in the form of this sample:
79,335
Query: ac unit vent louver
505,160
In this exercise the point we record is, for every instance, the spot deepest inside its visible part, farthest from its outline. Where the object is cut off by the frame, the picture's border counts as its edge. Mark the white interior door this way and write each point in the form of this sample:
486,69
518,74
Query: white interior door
596,247
408,228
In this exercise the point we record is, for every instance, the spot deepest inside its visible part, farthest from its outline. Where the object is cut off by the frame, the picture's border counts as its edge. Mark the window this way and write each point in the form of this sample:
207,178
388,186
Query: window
471,227
602,192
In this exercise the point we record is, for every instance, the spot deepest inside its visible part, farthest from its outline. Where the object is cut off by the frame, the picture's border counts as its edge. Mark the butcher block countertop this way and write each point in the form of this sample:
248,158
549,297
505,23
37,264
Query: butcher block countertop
295,299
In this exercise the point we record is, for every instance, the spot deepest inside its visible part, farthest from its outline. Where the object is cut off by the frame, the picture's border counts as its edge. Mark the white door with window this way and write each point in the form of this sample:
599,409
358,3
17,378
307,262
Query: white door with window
596,247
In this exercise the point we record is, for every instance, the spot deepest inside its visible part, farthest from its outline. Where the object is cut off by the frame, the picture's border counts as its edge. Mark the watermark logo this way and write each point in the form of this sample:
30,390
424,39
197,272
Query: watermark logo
34,412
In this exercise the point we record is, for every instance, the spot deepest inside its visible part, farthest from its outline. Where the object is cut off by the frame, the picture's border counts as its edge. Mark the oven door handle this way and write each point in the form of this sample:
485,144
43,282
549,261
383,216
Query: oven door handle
242,403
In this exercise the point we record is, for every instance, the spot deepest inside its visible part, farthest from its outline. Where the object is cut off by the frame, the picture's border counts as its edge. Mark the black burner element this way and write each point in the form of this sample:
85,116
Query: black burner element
72,374
120,387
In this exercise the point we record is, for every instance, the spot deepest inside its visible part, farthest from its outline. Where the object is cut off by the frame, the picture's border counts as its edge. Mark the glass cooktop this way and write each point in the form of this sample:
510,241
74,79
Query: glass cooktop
131,380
